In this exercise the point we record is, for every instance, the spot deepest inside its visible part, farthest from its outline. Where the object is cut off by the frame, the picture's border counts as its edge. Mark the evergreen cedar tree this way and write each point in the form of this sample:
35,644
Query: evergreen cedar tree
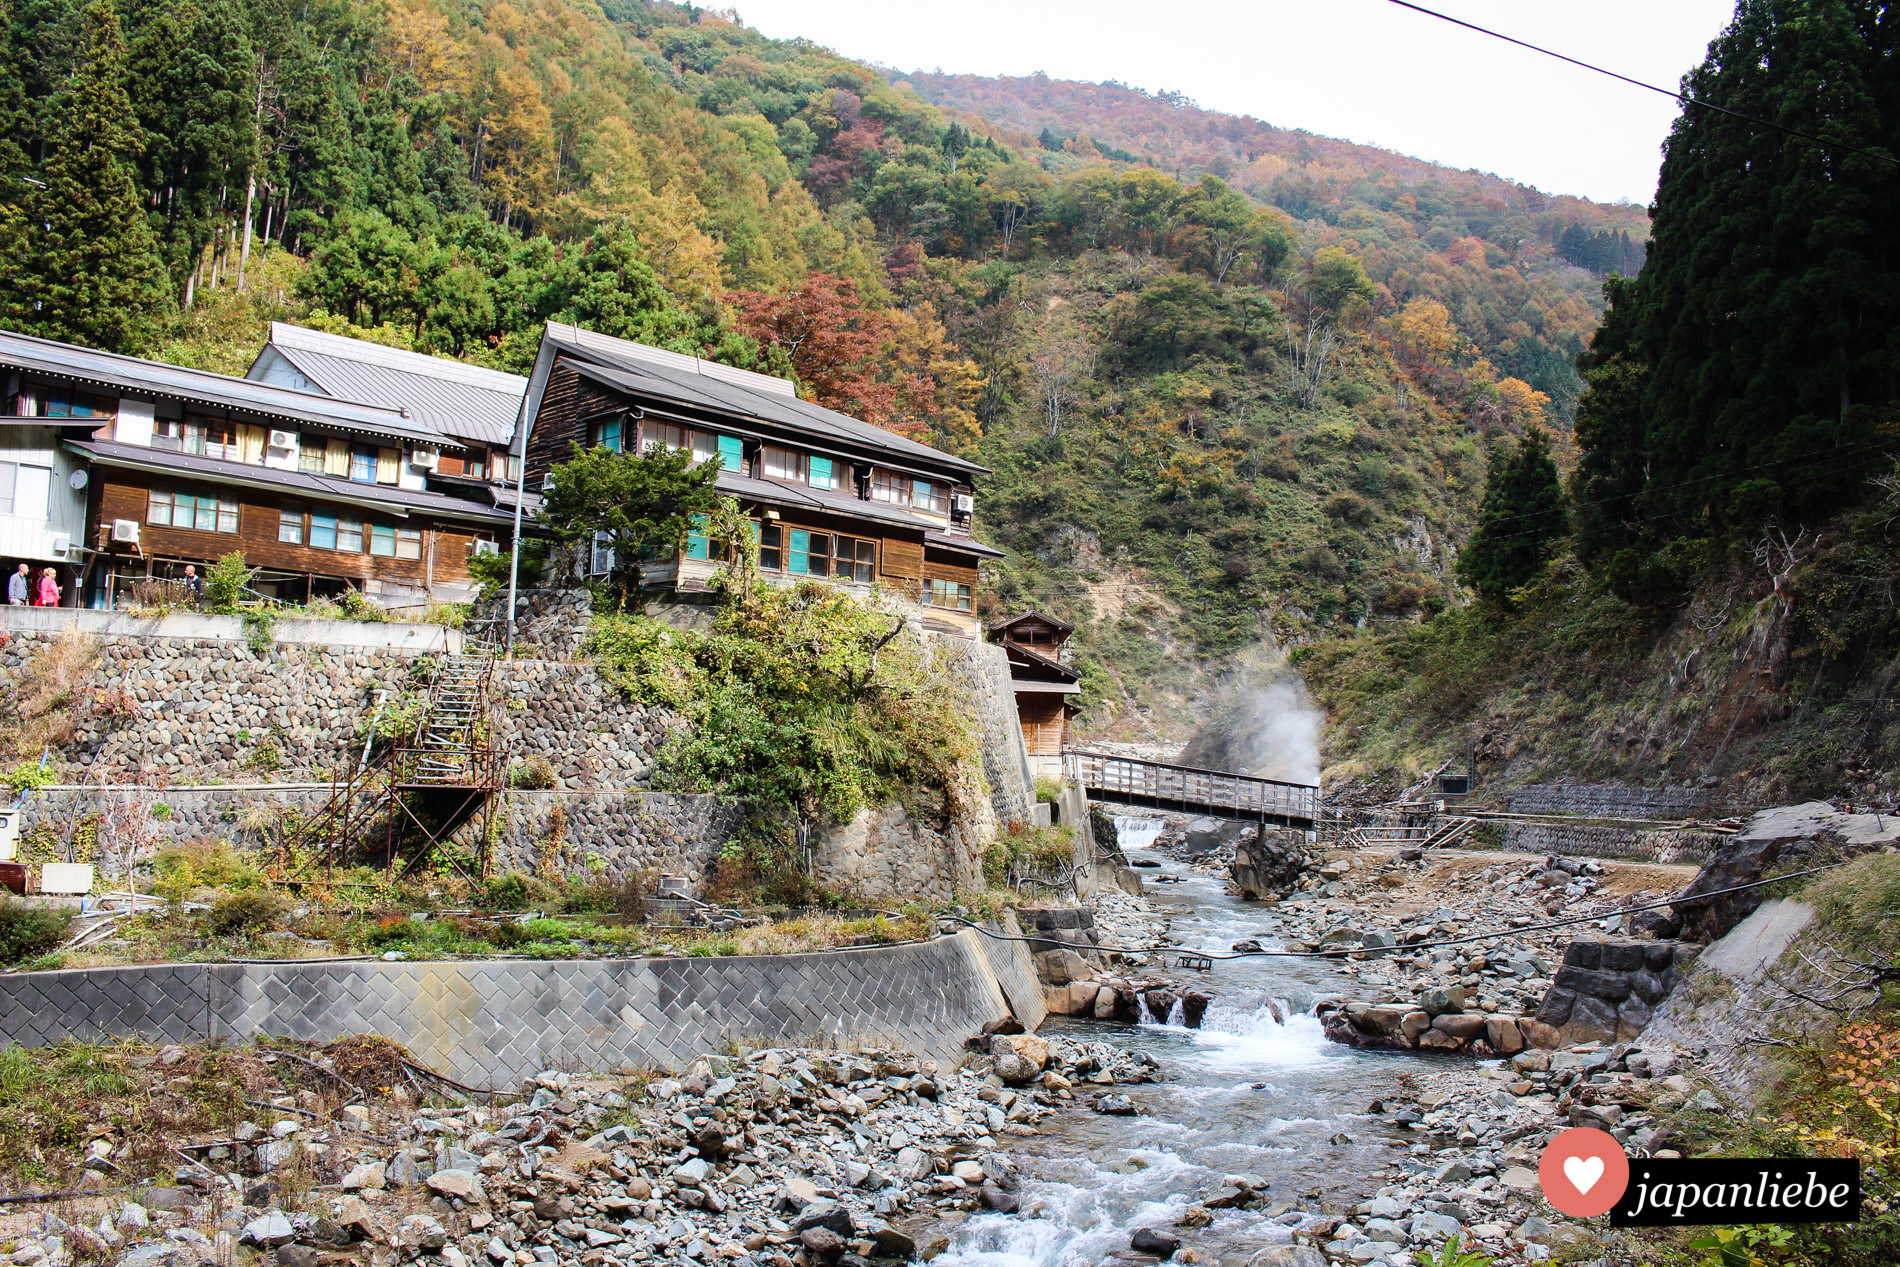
84,265
644,503
1742,375
1522,519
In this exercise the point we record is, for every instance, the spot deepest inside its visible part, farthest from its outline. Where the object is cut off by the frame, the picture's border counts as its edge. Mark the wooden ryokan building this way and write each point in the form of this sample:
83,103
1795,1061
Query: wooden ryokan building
834,497
174,466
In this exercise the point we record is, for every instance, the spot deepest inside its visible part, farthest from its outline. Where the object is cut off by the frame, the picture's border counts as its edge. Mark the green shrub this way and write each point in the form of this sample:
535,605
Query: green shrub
27,932
534,774
225,583
1020,850
30,774
247,911
204,864
1048,789
511,892
260,625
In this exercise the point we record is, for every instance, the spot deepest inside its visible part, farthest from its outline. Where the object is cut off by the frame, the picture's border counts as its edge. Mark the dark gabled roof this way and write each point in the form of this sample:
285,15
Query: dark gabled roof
685,380
385,497
1035,659
946,541
467,402
1013,621
129,375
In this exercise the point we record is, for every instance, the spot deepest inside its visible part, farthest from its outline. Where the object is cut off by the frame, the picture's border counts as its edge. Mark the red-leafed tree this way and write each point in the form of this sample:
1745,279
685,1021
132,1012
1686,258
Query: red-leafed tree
833,341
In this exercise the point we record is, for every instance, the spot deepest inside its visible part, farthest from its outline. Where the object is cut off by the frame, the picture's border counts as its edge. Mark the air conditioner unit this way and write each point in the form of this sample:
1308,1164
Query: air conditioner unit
283,439
425,458
125,531
963,504
547,482
62,544
487,547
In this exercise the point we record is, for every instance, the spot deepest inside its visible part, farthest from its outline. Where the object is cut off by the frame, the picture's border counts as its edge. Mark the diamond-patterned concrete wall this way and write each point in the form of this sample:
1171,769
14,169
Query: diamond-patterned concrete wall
493,1022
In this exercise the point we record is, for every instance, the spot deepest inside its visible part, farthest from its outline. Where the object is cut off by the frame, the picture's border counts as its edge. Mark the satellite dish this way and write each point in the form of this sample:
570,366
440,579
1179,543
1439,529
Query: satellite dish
77,479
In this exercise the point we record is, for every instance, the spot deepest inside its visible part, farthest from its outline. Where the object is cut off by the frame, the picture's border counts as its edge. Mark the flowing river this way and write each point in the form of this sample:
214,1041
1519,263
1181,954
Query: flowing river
1247,1094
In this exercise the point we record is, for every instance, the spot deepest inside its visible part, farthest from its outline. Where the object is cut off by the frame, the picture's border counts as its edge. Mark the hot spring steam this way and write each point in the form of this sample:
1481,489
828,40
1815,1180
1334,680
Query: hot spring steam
1263,723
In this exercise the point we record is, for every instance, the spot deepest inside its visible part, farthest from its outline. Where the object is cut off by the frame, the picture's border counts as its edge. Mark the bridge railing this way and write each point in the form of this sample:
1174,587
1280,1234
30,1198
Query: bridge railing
1240,795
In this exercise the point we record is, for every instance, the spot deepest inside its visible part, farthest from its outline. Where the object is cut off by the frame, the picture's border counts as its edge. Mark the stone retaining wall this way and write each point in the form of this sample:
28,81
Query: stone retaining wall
1607,990
1611,842
494,1022
1609,800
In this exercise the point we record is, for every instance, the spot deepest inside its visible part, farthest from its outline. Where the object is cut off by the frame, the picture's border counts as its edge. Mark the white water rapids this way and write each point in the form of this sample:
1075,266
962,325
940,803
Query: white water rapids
1256,1090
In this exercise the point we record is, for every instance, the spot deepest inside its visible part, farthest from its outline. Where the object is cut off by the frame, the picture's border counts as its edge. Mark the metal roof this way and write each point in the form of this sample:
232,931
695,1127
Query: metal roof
815,499
132,376
636,367
469,402
944,540
384,497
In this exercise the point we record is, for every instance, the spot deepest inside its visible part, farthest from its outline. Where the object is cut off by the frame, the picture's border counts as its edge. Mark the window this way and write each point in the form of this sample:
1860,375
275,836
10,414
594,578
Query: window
823,554
184,508
607,434
24,490
363,464
929,496
64,404
310,451
947,594
601,561
667,435
382,540
168,433
472,467
821,473
728,451
409,543
771,548
333,532
889,486
290,525
781,464
210,437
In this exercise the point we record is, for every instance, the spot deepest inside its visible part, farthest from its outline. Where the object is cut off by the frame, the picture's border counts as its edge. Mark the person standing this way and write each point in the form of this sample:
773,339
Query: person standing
49,588
17,586
194,585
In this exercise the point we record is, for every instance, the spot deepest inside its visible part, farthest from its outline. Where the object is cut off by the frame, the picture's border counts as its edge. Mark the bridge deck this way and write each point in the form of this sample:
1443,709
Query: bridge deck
1185,788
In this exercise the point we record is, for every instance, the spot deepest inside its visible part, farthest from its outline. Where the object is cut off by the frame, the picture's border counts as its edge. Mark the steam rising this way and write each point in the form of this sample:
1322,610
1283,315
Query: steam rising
1264,723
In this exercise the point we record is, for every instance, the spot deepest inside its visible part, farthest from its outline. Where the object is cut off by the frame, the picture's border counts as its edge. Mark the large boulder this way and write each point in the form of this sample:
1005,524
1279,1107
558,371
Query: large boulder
1270,864
1786,838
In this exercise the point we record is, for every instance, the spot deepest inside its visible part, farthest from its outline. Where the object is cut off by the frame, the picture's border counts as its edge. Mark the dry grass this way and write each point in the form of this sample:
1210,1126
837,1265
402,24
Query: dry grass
40,710
828,932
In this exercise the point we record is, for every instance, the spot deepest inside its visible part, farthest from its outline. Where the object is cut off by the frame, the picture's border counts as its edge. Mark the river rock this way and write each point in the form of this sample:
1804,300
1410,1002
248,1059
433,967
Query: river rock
1148,1240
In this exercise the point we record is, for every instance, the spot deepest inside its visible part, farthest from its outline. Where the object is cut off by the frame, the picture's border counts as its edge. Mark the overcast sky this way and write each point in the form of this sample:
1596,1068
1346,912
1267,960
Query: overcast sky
1364,70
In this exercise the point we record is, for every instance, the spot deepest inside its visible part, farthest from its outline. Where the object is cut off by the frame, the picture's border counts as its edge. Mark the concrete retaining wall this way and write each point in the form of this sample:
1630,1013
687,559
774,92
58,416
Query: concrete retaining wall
408,639
492,1023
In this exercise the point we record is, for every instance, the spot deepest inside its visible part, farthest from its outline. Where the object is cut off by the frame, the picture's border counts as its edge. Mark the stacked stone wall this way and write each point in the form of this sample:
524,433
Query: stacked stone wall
1608,990
1610,800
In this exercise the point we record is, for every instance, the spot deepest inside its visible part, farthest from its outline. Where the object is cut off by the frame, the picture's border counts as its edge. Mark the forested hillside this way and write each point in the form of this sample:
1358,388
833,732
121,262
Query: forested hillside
1518,268
1715,599
1214,412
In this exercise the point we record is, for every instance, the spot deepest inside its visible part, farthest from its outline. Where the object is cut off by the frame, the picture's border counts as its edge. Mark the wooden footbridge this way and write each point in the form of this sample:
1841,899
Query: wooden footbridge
1216,793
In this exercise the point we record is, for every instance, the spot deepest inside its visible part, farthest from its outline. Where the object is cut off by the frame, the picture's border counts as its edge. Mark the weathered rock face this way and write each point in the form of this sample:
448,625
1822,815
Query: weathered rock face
1272,864
1782,839
1608,990
888,853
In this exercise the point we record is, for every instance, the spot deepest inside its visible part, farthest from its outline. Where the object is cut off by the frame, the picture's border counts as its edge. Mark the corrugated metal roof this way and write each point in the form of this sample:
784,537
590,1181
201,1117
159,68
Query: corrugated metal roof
636,368
133,376
948,542
468,402
325,487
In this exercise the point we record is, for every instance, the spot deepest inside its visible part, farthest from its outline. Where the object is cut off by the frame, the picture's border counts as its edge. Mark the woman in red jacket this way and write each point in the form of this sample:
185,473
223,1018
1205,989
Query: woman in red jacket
49,589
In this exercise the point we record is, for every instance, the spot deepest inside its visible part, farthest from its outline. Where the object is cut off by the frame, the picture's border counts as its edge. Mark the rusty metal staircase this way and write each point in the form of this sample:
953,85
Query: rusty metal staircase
450,745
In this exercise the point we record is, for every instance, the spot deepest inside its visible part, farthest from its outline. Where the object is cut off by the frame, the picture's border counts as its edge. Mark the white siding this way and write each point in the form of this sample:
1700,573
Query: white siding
134,423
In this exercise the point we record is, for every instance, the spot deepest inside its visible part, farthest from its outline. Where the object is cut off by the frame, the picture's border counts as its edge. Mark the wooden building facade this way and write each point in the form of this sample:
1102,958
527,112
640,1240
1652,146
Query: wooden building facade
1045,685
835,498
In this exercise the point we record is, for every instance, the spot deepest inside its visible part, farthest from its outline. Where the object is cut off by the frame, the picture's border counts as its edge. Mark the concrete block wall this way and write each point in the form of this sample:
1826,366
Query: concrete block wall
612,835
492,1023
1609,800
1611,842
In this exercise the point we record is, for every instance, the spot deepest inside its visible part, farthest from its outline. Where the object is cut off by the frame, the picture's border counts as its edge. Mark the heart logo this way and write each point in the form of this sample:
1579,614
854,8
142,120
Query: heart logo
1583,1172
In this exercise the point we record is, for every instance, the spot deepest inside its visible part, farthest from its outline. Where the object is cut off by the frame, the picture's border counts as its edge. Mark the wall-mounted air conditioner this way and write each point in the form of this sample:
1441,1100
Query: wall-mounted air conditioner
547,482
428,458
125,531
283,439
487,547
963,504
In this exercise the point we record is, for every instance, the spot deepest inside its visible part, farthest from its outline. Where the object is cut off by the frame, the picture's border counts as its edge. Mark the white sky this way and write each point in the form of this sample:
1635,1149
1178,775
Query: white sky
1362,70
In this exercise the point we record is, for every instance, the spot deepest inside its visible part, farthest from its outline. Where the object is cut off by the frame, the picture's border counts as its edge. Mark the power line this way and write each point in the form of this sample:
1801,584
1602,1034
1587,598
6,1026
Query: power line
1681,97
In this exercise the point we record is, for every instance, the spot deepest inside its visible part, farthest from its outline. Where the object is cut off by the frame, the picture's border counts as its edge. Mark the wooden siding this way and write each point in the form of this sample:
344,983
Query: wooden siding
935,570
901,559
1045,722
555,425
125,495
